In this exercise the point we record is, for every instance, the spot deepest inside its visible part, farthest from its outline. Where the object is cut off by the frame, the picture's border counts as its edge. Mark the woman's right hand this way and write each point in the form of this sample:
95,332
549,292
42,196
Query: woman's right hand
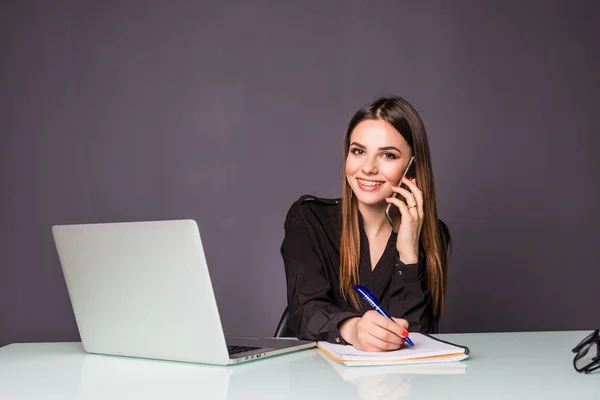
374,332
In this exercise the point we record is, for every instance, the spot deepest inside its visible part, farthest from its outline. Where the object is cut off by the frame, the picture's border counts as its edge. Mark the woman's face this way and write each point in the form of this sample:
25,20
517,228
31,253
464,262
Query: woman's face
375,161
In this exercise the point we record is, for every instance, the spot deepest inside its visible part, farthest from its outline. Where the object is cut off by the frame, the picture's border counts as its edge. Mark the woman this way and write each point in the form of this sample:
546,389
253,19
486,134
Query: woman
332,244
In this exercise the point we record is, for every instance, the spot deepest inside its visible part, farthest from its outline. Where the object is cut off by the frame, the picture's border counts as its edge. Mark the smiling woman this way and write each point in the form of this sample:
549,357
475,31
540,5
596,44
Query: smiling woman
332,244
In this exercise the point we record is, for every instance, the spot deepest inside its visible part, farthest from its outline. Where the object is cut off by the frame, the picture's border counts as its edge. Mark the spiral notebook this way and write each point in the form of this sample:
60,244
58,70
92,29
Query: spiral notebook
427,349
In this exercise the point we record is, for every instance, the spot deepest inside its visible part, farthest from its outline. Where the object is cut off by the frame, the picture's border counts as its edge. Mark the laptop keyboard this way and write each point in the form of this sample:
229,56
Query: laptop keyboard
240,349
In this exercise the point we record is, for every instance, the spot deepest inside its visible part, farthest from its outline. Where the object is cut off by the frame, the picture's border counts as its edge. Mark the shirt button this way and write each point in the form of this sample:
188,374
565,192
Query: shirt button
337,339
398,268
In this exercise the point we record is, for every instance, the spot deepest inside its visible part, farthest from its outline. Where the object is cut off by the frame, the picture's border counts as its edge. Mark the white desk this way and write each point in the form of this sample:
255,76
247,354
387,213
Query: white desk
505,366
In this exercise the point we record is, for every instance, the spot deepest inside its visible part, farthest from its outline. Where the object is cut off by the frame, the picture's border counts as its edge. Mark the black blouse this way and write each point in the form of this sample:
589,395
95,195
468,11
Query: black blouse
310,251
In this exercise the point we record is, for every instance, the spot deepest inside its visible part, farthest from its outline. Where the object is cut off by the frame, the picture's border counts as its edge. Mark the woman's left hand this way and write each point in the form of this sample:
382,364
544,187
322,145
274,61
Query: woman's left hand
411,221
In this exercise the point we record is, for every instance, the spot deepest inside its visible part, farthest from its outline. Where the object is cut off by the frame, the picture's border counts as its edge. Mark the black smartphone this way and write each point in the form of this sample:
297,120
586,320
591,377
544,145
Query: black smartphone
410,173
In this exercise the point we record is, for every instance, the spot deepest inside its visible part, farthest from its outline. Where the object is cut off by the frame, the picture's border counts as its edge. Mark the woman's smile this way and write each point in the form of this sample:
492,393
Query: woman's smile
369,185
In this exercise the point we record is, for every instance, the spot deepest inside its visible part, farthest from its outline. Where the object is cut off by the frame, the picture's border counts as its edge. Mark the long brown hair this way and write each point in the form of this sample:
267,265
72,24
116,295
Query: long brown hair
435,238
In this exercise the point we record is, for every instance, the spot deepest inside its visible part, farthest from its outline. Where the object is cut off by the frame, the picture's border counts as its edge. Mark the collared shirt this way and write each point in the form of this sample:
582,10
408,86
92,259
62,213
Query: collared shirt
311,254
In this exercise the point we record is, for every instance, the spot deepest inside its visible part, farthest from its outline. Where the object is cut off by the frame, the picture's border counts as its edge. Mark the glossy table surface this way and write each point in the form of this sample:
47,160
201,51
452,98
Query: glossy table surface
531,365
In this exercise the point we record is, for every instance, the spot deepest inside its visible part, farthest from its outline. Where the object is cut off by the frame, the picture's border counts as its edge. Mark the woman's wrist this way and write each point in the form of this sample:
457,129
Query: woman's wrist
409,257
347,329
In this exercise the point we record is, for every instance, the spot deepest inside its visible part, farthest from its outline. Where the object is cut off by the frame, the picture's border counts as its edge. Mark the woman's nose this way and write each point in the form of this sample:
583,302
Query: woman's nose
370,166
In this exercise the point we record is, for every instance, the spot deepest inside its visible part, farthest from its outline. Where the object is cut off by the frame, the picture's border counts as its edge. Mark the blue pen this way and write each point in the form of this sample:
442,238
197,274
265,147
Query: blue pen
373,302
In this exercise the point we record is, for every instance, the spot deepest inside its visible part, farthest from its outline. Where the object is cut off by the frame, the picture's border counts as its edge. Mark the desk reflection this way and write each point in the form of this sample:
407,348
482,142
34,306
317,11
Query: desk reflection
66,372
304,374
107,377
389,382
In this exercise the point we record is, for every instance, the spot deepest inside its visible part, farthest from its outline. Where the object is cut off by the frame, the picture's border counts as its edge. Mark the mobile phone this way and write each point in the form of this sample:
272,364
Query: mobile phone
409,172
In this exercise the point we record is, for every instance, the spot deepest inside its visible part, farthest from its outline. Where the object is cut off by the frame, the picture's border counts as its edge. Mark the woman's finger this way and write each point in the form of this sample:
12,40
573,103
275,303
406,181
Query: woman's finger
386,334
417,193
411,202
404,211
412,185
382,344
402,322
408,196
368,342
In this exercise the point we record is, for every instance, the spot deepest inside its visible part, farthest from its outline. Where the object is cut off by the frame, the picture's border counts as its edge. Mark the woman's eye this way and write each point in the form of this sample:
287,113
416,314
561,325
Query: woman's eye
356,151
391,156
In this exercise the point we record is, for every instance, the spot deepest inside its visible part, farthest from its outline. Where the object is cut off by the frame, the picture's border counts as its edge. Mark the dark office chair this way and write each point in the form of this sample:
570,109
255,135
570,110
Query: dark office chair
283,328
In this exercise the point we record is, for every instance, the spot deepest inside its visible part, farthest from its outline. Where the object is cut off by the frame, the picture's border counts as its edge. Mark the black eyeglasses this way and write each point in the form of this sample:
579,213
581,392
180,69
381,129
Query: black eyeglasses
588,353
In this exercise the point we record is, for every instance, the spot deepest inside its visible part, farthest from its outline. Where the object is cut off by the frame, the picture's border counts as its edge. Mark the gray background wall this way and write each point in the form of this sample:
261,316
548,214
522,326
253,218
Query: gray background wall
227,112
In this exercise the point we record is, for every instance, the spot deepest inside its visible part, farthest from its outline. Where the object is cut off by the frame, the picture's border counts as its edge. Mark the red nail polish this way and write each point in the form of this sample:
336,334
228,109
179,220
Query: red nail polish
405,333
415,181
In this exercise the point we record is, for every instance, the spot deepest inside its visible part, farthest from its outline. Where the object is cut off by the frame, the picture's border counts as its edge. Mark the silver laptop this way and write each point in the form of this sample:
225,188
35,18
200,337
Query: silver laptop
142,289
